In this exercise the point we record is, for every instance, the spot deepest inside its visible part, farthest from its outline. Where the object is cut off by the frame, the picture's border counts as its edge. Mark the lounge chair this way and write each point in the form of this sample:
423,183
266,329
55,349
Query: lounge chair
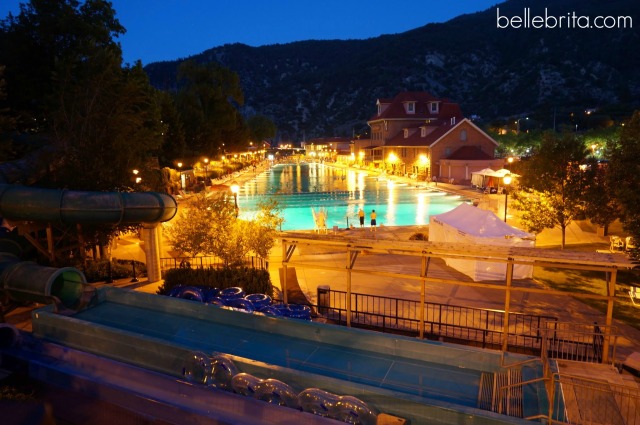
634,294
617,244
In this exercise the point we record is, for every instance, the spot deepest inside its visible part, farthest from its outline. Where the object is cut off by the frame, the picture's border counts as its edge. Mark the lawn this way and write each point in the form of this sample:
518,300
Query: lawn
592,282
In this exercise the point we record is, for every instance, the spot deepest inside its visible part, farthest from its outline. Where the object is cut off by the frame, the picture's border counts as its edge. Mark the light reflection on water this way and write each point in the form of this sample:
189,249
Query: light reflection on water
300,187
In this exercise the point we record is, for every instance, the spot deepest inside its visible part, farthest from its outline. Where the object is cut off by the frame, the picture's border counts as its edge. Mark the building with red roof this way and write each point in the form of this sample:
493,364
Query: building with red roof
417,134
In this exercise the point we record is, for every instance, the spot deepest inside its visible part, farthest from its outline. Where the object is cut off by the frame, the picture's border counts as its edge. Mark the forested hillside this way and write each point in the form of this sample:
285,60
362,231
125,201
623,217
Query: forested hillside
329,88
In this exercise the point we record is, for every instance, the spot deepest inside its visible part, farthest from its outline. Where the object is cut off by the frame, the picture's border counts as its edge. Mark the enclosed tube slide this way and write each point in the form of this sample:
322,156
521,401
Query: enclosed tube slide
28,281
22,203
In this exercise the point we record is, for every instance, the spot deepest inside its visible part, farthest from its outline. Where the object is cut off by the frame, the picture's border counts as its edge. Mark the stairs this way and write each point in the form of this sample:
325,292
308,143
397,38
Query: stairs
507,401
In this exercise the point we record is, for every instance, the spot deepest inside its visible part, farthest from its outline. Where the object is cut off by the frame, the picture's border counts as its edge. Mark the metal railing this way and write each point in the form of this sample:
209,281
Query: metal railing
577,400
209,261
587,401
469,325
580,342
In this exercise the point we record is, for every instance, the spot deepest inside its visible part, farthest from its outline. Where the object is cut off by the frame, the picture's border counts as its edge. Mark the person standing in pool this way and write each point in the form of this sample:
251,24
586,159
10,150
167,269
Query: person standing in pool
361,217
373,220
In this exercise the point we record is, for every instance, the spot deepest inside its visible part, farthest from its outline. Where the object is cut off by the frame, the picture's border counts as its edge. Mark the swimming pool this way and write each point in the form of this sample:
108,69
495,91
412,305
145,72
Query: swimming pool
299,188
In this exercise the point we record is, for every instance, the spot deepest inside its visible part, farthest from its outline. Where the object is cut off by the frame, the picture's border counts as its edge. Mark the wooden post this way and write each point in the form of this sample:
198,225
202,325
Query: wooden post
348,288
611,292
423,292
352,255
284,272
507,303
50,244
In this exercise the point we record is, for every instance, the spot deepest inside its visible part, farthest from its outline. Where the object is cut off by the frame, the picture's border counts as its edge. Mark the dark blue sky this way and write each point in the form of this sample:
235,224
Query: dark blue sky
171,29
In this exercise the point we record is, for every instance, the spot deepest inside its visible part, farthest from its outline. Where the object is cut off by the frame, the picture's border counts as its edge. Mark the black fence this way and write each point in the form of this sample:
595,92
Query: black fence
580,342
463,325
206,262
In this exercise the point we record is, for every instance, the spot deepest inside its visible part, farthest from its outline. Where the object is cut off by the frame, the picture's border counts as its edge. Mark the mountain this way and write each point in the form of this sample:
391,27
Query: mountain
329,88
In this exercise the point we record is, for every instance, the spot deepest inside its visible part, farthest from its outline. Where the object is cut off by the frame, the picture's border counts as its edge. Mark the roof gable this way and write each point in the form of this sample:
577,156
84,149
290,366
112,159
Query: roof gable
435,136
394,109
469,153
468,122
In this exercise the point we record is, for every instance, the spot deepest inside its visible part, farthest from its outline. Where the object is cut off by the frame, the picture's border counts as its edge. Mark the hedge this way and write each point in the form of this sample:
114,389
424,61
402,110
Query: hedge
252,281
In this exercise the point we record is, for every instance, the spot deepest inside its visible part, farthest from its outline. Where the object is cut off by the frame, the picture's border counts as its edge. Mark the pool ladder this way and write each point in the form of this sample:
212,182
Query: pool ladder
506,382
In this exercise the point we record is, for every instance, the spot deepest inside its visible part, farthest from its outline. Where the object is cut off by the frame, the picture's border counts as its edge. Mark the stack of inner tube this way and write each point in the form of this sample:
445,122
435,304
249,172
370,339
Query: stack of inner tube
236,298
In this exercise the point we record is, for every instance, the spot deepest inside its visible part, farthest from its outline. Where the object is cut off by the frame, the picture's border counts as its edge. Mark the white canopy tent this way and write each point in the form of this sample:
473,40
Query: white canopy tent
468,224
503,172
478,178
488,177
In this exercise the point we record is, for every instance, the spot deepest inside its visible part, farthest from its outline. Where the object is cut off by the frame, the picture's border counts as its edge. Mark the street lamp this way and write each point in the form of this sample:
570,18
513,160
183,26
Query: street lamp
181,180
507,181
235,189
206,171
392,158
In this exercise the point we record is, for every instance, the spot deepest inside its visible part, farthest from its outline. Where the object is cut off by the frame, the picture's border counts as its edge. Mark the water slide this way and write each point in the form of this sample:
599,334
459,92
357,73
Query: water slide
28,281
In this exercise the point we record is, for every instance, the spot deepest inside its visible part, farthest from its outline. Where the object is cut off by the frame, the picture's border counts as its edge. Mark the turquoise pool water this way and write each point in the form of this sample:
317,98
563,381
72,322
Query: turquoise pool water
301,188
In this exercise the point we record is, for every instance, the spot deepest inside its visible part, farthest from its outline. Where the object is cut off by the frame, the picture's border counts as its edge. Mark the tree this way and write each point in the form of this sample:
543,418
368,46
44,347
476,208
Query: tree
268,219
65,80
261,128
189,231
555,176
209,226
624,174
601,206
536,209
173,142
7,123
43,33
207,98
106,122
66,83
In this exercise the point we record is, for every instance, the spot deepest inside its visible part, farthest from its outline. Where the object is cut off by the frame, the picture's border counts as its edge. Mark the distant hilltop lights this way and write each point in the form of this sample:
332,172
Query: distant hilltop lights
569,20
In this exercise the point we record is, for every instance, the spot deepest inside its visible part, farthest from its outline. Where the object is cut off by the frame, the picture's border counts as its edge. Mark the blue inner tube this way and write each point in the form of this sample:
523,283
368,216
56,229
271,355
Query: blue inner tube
231,293
259,300
191,293
283,309
300,311
241,303
216,301
270,311
210,294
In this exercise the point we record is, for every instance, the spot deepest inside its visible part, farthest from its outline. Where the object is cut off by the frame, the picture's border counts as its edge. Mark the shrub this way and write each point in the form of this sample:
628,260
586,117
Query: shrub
98,270
252,281
419,237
